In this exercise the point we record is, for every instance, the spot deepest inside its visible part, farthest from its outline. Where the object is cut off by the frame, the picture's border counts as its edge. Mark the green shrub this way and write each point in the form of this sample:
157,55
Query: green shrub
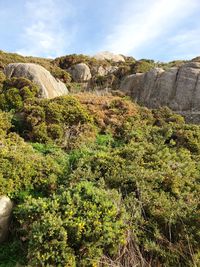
62,120
26,170
5,122
15,92
143,65
159,182
2,79
73,228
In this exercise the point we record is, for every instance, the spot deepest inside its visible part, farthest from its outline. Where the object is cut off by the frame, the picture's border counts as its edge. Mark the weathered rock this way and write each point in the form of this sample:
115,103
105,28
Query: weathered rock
132,85
149,83
109,56
196,59
177,88
49,86
102,71
6,207
80,72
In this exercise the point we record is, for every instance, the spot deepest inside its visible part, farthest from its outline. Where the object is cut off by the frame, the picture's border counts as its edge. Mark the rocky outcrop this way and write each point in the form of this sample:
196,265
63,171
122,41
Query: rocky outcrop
6,207
109,56
103,70
49,86
178,88
80,72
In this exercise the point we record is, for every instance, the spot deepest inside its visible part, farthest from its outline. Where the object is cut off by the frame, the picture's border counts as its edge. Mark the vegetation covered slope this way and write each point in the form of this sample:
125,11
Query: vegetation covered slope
97,181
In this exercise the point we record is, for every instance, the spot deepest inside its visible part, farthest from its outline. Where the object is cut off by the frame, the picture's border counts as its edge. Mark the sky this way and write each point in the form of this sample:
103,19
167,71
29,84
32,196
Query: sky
163,30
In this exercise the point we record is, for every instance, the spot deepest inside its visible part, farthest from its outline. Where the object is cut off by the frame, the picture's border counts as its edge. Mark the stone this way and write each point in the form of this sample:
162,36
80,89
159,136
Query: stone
103,71
131,85
109,56
178,88
6,207
187,87
49,86
149,84
80,72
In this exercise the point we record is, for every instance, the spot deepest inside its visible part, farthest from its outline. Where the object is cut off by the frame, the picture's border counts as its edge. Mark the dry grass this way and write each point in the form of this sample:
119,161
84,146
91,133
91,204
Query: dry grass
128,256
108,110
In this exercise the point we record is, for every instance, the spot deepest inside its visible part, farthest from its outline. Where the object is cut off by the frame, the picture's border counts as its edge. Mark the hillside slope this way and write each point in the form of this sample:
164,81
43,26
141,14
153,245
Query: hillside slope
94,178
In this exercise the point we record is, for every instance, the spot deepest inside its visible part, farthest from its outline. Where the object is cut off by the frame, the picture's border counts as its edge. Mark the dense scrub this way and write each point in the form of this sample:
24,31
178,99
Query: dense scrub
129,195
96,180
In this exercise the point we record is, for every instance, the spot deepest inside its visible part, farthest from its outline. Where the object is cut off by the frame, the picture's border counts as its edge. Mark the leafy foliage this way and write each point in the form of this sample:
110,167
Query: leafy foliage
15,92
62,120
73,228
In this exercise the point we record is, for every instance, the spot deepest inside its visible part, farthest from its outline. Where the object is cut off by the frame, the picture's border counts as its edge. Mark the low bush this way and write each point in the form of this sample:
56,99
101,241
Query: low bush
15,92
62,120
74,228
24,170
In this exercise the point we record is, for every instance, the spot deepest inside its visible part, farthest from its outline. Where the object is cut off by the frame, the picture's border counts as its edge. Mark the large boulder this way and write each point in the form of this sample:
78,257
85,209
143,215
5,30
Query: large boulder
109,56
49,86
80,72
177,88
6,207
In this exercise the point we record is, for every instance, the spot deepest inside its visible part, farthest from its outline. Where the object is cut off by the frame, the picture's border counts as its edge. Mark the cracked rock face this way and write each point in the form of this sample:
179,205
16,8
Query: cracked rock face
6,207
49,86
177,88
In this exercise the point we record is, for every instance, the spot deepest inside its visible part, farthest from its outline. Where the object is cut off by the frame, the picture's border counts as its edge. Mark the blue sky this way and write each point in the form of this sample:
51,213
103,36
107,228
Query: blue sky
162,30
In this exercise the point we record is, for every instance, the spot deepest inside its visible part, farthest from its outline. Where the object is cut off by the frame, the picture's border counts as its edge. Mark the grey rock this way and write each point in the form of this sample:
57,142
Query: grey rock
104,70
187,93
6,207
109,56
80,72
149,84
177,88
132,85
49,86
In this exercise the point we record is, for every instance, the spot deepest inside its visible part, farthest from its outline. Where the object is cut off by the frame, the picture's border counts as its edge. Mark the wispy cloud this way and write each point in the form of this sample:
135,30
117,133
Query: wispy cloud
186,45
44,33
146,22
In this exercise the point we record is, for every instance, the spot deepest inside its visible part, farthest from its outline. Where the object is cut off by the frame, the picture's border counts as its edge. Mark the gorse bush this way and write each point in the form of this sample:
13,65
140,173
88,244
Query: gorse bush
24,170
73,228
15,92
160,188
62,120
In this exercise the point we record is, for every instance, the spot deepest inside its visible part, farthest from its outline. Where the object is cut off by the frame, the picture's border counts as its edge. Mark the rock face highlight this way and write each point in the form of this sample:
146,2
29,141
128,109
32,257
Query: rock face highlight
178,88
49,86
6,207
109,56
80,72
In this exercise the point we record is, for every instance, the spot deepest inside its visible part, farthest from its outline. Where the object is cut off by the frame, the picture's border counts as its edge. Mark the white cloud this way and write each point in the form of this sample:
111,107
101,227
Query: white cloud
143,23
44,33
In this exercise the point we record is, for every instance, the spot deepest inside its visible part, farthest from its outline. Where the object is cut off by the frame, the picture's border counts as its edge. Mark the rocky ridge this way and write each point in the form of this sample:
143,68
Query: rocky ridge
178,88
176,84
